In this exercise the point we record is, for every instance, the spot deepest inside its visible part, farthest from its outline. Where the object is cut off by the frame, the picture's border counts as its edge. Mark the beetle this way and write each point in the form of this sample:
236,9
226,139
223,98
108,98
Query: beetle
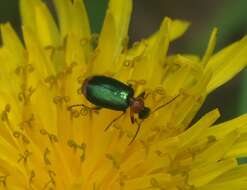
107,92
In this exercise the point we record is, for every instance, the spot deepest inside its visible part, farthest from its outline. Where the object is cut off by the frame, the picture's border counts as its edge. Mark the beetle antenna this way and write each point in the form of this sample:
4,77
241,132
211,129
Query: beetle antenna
161,106
114,120
137,131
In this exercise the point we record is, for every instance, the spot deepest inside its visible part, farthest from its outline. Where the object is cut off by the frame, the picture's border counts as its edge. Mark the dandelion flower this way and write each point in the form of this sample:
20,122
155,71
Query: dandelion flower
46,146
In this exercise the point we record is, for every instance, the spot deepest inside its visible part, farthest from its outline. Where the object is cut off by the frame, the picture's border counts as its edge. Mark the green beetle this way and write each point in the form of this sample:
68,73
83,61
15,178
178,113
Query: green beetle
107,92
110,93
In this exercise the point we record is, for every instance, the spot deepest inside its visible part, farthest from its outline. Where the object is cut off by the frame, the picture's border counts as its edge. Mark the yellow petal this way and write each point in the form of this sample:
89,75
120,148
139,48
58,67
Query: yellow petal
218,150
233,179
222,129
211,47
203,174
37,56
178,28
27,11
194,132
147,182
63,10
227,63
113,34
12,42
46,28
153,57
80,24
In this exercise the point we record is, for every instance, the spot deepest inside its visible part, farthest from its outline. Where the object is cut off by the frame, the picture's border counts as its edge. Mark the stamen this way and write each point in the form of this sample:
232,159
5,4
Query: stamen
5,112
52,174
58,99
25,94
80,80
61,99
66,71
122,178
52,138
27,123
71,143
3,180
114,160
83,110
66,99
51,80
52,181
211,139
155,184
186,181
18,134
51,50
24,69
32,175
46,160
24,157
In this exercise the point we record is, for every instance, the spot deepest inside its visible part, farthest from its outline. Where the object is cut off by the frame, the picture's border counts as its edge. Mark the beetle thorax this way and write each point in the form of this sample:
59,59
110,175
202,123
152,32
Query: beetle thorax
136,105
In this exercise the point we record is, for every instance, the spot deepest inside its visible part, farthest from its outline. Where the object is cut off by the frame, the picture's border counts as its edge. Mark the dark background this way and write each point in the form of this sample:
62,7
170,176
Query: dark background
228,15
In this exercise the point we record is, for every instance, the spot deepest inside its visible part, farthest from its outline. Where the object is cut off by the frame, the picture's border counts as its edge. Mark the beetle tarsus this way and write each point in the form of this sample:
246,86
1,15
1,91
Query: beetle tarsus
96,108
75,105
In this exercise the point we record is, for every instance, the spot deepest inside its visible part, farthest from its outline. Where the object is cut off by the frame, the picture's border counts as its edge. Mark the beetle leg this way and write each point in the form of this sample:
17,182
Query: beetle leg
114,120
75,105
137,131
132,116
84,110
83,106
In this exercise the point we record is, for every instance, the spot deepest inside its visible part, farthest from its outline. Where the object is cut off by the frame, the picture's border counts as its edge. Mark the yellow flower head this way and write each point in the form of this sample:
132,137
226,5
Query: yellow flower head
43,145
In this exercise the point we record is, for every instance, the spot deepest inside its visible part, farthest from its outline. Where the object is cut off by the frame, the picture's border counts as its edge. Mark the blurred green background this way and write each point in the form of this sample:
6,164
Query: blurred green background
228,15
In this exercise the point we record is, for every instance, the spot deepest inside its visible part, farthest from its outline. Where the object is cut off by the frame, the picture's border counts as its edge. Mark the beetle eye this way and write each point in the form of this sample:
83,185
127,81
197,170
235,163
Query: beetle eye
144,113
